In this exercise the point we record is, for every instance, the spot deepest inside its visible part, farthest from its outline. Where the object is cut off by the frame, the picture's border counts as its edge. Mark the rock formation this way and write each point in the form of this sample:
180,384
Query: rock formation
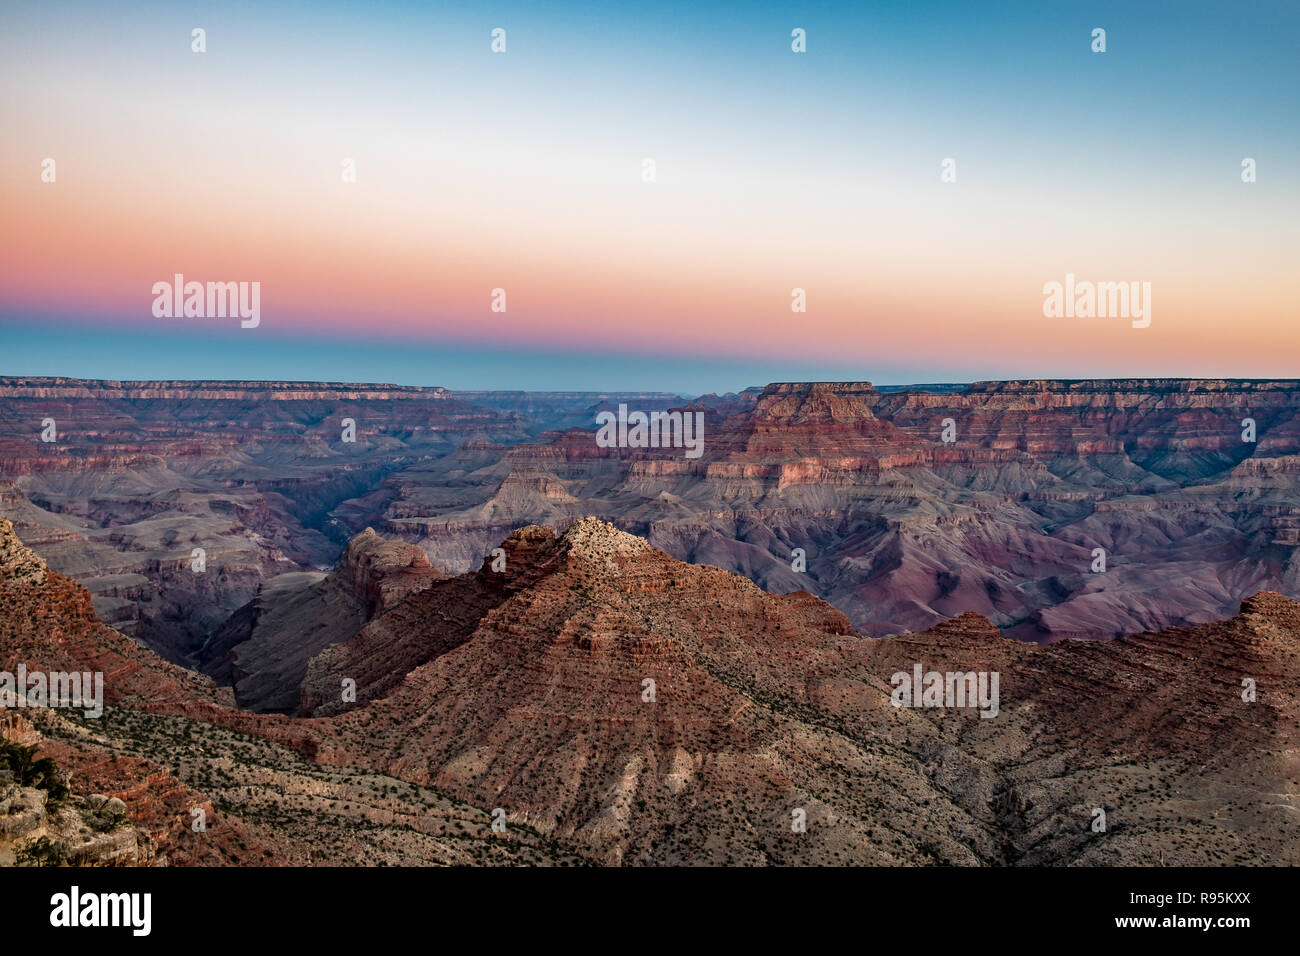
901,529
263,649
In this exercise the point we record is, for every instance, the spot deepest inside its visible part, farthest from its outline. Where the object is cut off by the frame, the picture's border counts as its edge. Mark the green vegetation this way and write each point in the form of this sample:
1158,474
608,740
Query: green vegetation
41,852
27,771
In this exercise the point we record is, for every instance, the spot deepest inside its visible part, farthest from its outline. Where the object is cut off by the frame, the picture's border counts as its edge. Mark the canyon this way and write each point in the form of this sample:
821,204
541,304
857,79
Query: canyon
256,474
520,694
843,490
368,651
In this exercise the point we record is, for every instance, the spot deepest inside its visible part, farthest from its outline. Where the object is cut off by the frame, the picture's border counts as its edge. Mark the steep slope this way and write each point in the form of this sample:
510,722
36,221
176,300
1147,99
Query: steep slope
767,704
169,746
49,624
542,709
768,735
263,649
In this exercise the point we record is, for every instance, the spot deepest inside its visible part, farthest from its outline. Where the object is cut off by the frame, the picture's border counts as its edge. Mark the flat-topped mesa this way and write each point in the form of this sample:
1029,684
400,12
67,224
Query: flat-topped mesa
804,388
1134,385
595,399
829,421
37,387
19,565
1123,392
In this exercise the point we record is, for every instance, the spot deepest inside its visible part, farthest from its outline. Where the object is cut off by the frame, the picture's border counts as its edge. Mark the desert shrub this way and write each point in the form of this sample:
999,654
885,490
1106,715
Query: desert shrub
41,852
27,771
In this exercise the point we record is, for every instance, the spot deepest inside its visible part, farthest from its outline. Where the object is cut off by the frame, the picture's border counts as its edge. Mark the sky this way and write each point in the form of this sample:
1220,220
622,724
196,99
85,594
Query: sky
525,171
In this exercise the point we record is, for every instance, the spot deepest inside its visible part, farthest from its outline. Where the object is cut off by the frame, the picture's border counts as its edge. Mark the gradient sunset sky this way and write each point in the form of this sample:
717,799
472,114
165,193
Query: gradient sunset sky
523,171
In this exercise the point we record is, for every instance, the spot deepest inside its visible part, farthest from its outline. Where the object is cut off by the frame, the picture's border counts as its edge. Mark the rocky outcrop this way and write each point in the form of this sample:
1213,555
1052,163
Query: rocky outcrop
19,565
93,831
43,824
262,650
381,573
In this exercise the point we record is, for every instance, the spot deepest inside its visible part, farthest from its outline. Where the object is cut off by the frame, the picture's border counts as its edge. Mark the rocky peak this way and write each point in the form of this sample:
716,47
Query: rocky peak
594,539
535,551
379,571
967,624
1272,608
19,565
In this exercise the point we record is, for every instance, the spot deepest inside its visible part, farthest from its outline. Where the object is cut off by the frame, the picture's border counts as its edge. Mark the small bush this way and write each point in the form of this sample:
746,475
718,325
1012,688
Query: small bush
41,852
27,771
